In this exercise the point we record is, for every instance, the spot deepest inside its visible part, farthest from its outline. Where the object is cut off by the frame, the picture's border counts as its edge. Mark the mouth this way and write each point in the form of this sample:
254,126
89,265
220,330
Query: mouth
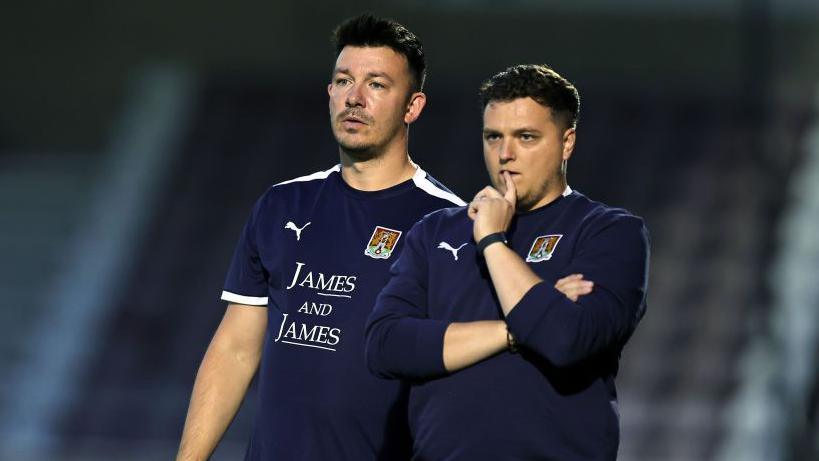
352,124
349,120
513,174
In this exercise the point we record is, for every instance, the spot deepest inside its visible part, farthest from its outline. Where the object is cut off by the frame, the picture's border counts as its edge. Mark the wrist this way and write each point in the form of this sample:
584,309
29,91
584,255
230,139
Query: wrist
490,239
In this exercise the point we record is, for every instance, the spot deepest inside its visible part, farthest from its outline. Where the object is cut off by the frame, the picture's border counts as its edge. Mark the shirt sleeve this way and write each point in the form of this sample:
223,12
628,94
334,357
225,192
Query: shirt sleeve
246,281
401,340
615,257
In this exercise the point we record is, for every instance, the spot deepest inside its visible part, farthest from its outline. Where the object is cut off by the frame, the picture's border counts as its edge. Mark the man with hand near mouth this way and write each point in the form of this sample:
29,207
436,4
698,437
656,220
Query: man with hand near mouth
510,349
313,256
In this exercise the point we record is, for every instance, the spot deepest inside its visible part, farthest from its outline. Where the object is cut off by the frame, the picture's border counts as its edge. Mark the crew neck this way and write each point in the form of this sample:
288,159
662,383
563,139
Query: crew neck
377,194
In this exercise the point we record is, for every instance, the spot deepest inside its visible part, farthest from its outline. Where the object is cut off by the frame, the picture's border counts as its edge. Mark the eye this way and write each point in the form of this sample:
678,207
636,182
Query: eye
342,81
527,137
377,85
491,137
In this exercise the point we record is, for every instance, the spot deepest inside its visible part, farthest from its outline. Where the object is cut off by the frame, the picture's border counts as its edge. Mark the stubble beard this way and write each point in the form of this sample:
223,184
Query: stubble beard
366,149
358,151
532,197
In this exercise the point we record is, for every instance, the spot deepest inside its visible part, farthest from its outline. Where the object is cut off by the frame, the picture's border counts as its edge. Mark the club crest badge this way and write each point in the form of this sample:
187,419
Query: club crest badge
542,248
382,242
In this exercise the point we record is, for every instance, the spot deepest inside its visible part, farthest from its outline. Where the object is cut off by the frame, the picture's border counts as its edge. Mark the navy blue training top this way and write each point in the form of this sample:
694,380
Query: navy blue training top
555,399
317,252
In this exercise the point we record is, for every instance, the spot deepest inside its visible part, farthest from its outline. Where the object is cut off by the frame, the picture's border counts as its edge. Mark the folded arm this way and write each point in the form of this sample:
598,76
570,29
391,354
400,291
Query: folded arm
546,321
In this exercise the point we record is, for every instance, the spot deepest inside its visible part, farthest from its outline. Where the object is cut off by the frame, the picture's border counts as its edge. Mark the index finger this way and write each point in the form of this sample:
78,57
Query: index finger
511,192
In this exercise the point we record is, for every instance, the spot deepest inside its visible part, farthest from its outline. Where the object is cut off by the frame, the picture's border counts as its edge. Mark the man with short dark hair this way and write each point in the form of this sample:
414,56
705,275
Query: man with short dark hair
510,348
311,260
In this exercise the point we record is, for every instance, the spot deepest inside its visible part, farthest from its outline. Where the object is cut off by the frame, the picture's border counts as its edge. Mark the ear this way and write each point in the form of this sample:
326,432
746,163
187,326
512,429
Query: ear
416,104
569,137
330,89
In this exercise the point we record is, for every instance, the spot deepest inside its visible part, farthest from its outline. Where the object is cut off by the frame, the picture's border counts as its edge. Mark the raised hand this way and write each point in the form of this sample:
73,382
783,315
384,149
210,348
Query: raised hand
492,211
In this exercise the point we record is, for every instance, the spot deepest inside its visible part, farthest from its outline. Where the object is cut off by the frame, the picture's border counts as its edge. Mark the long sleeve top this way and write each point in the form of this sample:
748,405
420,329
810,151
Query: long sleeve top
555,399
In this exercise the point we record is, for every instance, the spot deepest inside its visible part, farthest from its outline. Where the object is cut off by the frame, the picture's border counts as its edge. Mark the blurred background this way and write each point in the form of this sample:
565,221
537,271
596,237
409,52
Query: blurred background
135,137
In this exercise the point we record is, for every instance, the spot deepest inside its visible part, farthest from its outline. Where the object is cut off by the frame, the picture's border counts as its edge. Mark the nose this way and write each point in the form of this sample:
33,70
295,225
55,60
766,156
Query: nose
354,96
507,151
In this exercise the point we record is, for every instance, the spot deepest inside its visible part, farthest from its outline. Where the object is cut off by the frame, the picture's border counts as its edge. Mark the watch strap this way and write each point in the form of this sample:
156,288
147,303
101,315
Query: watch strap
489,240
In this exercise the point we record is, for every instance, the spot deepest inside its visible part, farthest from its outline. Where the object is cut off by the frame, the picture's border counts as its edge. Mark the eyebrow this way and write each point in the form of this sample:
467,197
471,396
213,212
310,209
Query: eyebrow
344,70
515,132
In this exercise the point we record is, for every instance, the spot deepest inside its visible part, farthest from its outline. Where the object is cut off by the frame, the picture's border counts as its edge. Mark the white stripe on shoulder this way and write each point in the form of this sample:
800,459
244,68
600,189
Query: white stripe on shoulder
239,299
420,180
312,177
567,191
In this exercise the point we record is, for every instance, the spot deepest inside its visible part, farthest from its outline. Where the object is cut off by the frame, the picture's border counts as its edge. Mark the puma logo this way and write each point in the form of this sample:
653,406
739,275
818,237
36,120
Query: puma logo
295,229
448,247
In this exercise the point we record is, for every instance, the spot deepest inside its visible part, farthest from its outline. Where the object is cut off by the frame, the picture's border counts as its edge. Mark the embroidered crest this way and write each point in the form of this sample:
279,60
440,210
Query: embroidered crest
382,242
542,248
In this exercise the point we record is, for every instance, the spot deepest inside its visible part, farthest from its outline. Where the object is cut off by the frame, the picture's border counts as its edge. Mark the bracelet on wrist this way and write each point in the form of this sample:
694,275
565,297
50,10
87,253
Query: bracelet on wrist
497,237
511,344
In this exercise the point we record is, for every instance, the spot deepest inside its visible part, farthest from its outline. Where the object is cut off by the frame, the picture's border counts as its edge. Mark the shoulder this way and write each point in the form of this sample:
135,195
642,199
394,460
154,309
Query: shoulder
306,181
284,190
449,215
597,217
444,221
599,212
286,195
435,189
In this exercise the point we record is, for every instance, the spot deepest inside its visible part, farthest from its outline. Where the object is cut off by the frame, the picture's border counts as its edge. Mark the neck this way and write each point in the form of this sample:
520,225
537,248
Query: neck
381,171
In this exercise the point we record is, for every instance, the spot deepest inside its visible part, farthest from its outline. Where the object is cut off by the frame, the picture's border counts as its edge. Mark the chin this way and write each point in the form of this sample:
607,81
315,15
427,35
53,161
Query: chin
353,142
358,151
524,202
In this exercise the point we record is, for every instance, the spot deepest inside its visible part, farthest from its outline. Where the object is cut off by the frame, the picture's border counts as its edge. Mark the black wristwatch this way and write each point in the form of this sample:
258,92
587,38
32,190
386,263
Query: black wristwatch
489,240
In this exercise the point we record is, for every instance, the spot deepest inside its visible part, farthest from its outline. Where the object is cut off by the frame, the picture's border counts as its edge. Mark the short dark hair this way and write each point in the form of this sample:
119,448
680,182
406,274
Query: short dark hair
367,30
539,82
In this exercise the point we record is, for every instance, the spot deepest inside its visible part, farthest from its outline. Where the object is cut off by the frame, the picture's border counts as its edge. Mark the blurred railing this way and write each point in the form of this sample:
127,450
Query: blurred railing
772,416
61,341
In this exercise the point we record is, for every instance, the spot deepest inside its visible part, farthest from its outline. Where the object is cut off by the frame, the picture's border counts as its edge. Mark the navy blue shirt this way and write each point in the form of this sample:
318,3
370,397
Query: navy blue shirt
555,399
317,252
